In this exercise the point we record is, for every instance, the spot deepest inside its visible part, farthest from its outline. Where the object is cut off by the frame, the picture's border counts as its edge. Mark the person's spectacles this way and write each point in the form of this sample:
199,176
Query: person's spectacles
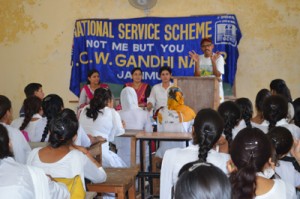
207,45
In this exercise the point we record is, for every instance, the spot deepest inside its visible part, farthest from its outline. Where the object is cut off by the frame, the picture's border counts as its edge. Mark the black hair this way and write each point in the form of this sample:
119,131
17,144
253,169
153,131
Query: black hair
296,105
5,105
260,98
167,68
100,100
32,105
250,151
52,105
31,88
63,128
246,109
90,73
231,114
275,108
202,181
280,87
282,140
208,127
4,143
135,69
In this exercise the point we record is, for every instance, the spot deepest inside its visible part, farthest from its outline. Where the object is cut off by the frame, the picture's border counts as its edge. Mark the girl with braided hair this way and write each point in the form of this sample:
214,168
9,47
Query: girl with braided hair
100,119
245,106
33,123
275,113
207,130
259,104
231,114
251,153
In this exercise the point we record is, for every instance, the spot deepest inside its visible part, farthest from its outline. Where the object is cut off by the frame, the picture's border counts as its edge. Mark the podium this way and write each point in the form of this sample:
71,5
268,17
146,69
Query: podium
199,92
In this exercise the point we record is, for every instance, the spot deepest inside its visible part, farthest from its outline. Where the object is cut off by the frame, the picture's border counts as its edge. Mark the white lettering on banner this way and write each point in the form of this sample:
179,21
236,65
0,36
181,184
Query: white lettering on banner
172,48
95,44
146,75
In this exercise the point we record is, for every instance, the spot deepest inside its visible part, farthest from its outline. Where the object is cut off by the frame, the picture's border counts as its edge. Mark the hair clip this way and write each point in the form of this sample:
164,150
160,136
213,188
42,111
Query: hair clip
273,106
251,146
196,165
47,99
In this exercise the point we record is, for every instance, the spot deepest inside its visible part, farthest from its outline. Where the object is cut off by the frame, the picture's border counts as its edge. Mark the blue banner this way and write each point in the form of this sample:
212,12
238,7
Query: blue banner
115,46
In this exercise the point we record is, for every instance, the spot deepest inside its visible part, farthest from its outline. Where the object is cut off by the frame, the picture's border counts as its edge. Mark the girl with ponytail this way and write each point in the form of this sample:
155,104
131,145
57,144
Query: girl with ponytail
207,130
100,119
32,123
245,106
251,153
275,113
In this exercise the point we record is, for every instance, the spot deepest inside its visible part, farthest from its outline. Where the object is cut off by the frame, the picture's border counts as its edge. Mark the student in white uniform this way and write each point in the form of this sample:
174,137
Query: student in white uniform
251,153
174,118
20,146
296,104
287,167
134,118
52,105
275,113
246,108
100,119
231,114
159,93
62,159
202,180
259,104
32,122
19,181
207,130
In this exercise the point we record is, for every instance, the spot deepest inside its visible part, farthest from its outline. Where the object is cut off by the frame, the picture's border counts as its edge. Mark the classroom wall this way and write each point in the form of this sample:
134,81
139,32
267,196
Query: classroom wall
36,40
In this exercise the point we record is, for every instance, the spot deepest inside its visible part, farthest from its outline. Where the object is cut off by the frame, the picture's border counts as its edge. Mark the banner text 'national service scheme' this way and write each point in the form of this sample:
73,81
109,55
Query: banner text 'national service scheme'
115,47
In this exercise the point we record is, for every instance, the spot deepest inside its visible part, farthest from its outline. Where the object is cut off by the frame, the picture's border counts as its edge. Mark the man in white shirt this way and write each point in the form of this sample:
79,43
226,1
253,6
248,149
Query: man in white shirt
209,63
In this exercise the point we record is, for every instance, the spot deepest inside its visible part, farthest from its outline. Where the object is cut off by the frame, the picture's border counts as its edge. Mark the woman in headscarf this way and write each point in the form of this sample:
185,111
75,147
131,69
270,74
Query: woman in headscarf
134,118
176,117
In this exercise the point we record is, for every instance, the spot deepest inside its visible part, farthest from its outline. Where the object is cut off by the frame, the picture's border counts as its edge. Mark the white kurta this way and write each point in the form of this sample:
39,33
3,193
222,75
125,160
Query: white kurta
134,118
158,96
280,190
170,123
20,146
19,181
175,159
108,125
295,130
34,129
288,173
72,164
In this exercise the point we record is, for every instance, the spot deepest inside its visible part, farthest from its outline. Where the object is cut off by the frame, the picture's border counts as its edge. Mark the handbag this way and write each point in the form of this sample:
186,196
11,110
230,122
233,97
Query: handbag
74,186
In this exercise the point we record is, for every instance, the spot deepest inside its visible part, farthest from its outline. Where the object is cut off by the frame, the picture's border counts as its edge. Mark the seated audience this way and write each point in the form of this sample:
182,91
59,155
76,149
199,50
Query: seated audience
202,181
259,102
134,118
207,130
296,104
32,89
287,167
19,181
245,106
32,123
100,119
52,105
20,147
231,114
62,159
275,113
279,87
251,153
176,117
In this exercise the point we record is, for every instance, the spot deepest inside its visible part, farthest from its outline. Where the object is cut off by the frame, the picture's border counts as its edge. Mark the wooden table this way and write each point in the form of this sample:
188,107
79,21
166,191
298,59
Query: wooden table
119,181
157,136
